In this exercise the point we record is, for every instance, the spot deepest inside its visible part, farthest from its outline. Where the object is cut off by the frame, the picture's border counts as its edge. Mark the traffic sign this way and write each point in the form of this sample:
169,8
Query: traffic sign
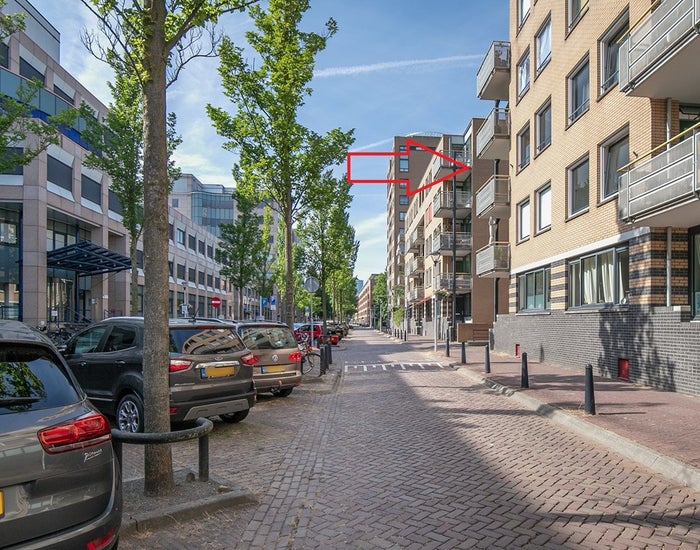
311,284
215,301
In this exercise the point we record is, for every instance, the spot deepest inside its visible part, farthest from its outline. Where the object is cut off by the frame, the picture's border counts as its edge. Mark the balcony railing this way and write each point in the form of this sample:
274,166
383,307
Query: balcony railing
415,239
493,260
416,293
442,167
442,243
665,186
442,203
658,57
493,199
493,138
444,282
414,267
493,76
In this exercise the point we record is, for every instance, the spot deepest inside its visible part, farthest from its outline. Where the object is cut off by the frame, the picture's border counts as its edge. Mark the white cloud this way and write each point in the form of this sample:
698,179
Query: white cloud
375,226
387,65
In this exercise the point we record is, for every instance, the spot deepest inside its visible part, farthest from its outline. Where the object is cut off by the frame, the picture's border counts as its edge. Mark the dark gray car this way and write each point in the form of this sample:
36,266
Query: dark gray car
210,370
59,481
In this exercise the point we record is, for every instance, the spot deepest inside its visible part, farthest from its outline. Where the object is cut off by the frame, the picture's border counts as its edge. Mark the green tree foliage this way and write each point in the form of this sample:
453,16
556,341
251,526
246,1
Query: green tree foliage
117,149
153,40
280,159
380,300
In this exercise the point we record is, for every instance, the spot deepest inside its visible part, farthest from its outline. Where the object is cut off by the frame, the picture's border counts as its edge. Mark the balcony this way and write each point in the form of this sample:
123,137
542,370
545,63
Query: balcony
493,138
415,239
659,58
442,244
493,76
414,267
442,167
493,260
493,199
663,190
416,293
444,282
442,204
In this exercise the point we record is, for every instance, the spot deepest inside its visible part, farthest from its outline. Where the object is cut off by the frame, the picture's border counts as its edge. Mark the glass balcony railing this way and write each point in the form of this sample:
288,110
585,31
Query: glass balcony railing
442,203
493,260
493,76
493,199
442,242
444,282
493,138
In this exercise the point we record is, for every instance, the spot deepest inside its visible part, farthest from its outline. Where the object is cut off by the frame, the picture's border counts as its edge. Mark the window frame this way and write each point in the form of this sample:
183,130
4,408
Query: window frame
524,147
523,72
541,63
539,208
609,48
524,8
528,301
576,109
605,150
572,18
571,171
524,222
539,118
580,278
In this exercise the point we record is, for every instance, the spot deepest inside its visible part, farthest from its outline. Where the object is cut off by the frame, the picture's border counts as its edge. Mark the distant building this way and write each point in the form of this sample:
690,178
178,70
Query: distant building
365,314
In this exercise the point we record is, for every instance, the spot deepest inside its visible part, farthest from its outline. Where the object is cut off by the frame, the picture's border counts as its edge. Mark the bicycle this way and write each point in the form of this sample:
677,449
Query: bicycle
310,358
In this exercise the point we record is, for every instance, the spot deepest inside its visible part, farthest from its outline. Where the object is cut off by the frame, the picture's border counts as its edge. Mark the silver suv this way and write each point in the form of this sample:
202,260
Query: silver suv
59,480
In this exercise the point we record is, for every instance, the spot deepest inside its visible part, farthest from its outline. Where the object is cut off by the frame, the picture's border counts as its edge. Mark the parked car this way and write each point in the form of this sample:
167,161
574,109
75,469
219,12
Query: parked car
211,371
306,329
59,479
278,369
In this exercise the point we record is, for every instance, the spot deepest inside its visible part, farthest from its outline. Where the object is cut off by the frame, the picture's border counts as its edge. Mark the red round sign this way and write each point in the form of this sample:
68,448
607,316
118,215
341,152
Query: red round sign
215,301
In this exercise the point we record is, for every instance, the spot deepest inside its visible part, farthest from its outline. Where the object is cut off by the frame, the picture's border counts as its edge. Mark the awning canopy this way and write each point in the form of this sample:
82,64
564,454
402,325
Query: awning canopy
87,258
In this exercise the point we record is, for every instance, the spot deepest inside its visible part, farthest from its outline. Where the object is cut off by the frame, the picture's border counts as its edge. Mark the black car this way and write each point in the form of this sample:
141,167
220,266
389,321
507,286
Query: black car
211,371
59,479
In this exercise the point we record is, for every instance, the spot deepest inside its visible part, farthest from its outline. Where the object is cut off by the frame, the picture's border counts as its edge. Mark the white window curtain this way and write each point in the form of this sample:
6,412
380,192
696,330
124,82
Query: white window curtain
589,280
544,44
606,277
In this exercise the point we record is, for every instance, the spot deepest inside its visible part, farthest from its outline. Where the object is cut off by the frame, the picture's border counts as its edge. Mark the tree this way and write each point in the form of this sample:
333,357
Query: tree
240,247
280,159
153,40
379,299
117,149
23,137
263,258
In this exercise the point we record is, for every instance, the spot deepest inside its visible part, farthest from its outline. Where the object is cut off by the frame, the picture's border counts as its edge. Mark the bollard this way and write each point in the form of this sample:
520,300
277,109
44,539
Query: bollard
487,360
330,354
324,358
464,353
589,401
405,335
524,382
447,346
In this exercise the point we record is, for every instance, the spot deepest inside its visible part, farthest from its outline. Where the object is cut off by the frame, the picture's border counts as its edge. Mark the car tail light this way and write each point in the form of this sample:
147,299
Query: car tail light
85,431
295,357
250,359
101,542
177,365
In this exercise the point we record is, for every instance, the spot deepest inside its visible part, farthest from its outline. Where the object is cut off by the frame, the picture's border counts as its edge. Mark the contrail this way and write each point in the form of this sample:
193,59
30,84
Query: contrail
376,67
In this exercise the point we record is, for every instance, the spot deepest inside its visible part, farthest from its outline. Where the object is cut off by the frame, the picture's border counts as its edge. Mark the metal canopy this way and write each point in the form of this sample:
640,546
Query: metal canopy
87,258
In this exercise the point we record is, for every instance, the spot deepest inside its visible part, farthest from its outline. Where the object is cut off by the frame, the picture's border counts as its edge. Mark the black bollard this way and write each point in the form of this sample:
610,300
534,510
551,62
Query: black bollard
524,382
589,401
324,358
330,354
447,346
464,353
487,360
405,335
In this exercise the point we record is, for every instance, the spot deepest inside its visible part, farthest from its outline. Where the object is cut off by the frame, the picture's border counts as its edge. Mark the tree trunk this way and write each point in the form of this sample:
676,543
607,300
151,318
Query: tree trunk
158,458
134,290
289,264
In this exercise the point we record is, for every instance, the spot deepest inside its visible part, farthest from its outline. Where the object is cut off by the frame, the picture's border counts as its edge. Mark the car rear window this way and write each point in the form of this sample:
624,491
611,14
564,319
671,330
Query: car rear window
204,340
267,337
32,378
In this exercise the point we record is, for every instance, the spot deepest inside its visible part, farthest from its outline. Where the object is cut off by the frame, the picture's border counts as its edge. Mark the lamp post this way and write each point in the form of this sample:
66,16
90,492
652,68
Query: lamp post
435,256
453,325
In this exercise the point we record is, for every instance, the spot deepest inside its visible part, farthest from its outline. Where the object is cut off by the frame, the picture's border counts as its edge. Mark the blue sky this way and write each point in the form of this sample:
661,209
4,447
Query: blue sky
394,67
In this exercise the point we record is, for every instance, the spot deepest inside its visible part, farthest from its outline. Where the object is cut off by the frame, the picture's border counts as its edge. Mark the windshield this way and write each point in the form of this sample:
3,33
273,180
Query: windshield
267,337
204,340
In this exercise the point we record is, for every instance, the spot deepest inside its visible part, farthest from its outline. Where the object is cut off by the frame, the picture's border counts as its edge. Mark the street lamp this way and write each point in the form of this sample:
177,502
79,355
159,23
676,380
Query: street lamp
435,256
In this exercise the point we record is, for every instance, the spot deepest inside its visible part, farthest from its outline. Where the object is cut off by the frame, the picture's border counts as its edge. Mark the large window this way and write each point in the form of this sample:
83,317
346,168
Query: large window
90,189
578,187
403,199
524,220
609,53
524,147
114,204
59,173
543,118
534,290
615,154
524,74
578,91
695,271
543,43
575,10
403,159
27,70
599,278
180,235
523,10
544,208
18,169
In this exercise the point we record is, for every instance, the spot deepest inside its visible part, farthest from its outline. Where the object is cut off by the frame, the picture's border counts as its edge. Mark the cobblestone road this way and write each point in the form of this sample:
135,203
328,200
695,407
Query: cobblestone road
415,457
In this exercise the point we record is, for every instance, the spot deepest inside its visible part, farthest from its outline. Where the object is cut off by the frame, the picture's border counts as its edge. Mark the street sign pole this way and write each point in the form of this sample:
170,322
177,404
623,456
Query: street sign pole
311,285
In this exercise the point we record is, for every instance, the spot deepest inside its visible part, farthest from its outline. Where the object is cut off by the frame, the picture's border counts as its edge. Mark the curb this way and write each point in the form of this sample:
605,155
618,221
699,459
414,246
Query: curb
176,513
664,465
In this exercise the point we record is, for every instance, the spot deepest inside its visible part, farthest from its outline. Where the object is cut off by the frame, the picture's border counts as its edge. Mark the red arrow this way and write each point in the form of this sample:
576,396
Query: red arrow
460,166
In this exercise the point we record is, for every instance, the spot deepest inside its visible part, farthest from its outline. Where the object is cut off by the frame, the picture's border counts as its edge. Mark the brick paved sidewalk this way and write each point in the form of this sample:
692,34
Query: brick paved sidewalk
658,428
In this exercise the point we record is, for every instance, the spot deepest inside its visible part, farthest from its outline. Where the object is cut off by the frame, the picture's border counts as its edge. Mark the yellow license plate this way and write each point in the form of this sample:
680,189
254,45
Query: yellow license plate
2,505
276,368
218,372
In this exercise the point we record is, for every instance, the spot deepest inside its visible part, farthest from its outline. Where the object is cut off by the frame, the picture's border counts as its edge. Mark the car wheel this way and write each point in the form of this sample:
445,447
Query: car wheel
283,392
233,418
130,413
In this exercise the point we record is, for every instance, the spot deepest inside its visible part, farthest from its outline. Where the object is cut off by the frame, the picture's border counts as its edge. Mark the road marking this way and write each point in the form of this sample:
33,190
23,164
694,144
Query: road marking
384,367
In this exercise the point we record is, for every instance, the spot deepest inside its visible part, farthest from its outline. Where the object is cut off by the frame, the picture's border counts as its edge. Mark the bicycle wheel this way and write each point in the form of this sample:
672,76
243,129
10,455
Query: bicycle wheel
312,364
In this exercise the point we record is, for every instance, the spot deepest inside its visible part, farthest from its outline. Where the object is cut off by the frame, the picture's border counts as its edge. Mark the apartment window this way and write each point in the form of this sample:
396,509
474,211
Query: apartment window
202,247
176,203
578,91
192,275
575,10
403,159
614,155
402,216
523,10
180,233
201,276
181,270
18,169
524,147
28,71
63,95
210,251
578,188
534,290
524,74
192,242
403,199
58,173
113,202
4,55
524,220
543,43
599,278
90,189
609,52
544,208
543,118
